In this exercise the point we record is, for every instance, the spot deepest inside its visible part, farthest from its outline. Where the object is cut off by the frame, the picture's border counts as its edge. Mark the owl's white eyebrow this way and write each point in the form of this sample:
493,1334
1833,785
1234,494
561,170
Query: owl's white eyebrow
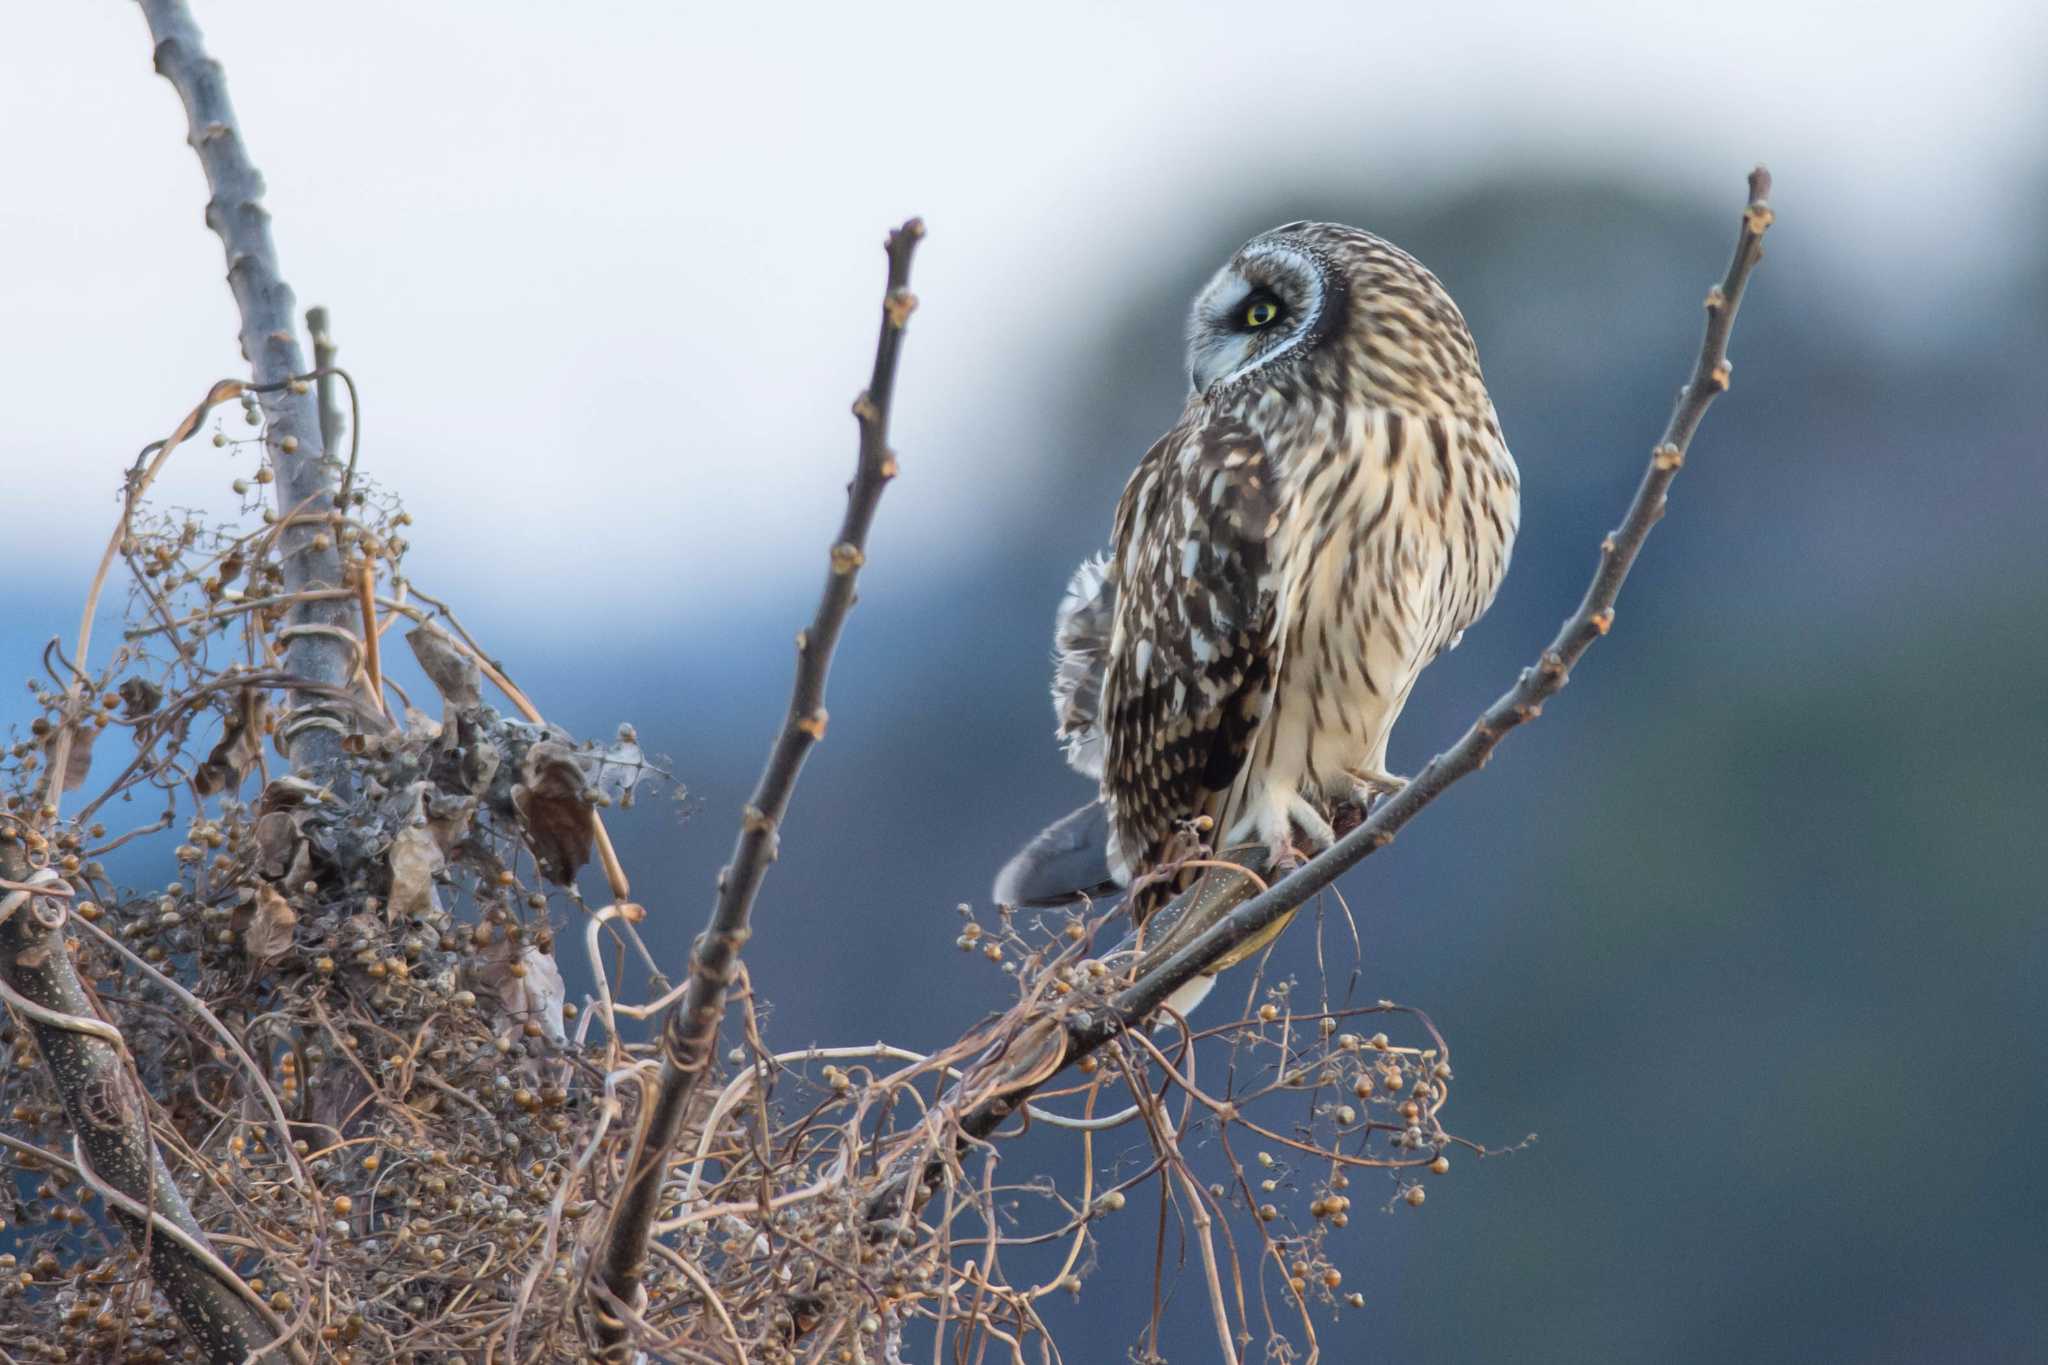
1302,267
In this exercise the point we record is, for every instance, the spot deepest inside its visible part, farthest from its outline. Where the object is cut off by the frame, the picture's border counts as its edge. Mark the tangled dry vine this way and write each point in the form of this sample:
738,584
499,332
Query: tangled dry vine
323,1094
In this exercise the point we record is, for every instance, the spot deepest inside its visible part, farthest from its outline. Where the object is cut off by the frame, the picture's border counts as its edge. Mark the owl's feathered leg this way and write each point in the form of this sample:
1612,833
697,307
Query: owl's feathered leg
1272,819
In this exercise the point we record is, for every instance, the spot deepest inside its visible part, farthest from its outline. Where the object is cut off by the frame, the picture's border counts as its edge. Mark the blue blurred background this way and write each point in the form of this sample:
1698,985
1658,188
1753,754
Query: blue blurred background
1748,928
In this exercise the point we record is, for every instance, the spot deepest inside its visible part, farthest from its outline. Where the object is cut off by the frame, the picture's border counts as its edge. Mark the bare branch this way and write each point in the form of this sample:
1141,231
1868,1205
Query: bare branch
292,431
690,1032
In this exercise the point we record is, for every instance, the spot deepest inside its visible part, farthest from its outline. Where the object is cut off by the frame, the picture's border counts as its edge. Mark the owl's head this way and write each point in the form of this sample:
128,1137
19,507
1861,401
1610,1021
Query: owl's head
1276,298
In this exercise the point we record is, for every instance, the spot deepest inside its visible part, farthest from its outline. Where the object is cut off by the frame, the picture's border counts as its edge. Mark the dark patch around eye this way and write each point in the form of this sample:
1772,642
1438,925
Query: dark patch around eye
1239,318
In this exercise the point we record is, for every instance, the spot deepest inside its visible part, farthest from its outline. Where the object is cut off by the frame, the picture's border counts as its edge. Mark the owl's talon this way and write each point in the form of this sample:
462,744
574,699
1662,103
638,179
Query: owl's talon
1273,825
1369,783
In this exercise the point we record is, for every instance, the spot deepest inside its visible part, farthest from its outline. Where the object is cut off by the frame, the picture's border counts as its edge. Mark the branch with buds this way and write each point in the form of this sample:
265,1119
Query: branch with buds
689,1035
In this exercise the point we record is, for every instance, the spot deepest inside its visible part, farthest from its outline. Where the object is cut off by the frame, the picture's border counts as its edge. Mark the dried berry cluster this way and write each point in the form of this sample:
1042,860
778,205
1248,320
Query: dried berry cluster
365,952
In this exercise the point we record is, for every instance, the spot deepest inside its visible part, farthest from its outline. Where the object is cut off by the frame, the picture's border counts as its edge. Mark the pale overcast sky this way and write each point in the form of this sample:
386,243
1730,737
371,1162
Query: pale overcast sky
617,264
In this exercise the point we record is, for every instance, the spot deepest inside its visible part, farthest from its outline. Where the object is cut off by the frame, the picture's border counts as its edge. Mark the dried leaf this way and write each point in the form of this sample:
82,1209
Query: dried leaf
448,820
554,807
140,697
453,673
277,840
301,870
241,745
269,933
415,858
78,759
289,793
534,991
477,758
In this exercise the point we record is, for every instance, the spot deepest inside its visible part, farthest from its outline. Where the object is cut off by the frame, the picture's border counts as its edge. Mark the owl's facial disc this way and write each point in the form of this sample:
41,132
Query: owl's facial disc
1259,307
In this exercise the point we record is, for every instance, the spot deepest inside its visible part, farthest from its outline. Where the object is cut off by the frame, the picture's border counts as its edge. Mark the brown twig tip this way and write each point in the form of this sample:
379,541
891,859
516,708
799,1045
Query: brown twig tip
1758,216
913,228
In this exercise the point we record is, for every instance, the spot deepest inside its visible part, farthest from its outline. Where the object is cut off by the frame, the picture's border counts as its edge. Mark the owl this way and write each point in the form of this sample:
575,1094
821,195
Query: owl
1334,507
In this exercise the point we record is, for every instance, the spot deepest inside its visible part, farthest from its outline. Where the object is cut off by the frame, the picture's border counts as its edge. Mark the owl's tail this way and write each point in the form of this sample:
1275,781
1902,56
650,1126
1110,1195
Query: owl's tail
1068,861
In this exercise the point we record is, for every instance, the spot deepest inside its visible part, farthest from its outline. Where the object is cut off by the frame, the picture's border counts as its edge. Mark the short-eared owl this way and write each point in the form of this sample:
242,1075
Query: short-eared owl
1334,507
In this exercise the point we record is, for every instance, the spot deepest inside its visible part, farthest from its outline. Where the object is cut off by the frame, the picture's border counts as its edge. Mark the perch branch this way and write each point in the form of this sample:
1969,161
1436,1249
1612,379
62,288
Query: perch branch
690,1032
1239,908
292,428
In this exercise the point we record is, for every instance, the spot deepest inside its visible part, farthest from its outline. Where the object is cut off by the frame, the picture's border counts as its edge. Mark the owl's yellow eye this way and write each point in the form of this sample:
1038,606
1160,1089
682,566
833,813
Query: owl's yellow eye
1260,313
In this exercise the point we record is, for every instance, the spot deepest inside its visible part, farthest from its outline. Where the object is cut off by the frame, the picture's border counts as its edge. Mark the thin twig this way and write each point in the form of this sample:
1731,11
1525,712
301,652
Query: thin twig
690,1034
324,351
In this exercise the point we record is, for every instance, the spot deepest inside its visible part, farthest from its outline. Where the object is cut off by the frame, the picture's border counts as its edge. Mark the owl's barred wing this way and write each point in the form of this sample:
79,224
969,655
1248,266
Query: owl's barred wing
1193,656
1069,859
1080,643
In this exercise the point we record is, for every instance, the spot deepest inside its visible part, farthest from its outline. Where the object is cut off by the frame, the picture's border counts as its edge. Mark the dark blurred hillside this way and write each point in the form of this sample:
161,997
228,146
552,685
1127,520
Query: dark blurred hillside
1748,927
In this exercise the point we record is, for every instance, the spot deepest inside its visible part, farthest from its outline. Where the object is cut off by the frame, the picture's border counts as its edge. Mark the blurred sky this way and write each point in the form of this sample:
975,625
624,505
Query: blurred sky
618,261
1749,927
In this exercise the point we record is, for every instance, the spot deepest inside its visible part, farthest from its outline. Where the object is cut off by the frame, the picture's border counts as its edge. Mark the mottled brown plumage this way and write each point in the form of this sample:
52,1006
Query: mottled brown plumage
1334,507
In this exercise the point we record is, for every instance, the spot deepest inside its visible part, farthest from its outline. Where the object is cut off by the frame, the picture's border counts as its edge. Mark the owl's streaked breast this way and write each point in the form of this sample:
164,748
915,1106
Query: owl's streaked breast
1393,533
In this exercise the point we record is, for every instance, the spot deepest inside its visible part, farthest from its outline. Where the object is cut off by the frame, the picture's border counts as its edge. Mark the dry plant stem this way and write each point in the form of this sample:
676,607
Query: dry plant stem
331,421
324,351
292,432
109,1117
146,469
1041,1053
1168,1140
690,1034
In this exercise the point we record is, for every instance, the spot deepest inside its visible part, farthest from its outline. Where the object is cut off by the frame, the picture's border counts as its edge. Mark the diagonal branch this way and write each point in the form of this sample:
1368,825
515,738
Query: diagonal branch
292,429
1232,904
108,1112
690,1033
